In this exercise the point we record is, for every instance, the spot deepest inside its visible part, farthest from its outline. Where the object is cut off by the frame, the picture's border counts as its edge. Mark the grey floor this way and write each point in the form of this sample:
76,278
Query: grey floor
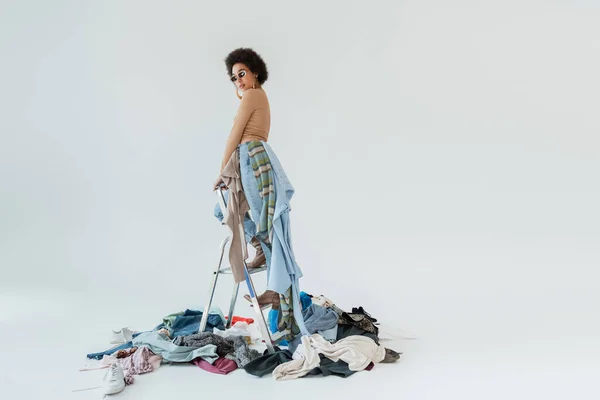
44,349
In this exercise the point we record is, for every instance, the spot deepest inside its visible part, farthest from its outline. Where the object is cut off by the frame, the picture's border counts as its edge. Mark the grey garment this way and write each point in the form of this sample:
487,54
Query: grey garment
349,330
266,363
224,346
391,356
233,348
328,367
171,352
242,353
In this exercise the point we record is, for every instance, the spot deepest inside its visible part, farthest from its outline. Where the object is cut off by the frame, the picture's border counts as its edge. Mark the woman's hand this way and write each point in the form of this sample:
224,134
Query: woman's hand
219,184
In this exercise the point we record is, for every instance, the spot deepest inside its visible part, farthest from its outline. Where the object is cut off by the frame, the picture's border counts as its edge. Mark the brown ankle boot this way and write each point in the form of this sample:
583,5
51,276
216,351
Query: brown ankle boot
260,258
269,298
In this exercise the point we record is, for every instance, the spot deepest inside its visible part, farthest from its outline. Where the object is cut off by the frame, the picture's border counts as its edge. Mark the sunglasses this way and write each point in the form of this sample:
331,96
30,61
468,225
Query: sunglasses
240,74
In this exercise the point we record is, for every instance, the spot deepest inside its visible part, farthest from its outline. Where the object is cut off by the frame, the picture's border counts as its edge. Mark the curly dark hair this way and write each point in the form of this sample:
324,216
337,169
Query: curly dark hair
251,59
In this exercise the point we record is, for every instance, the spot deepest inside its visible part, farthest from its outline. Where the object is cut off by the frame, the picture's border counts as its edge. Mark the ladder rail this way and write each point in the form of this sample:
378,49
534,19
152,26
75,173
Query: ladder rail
213,285
250,284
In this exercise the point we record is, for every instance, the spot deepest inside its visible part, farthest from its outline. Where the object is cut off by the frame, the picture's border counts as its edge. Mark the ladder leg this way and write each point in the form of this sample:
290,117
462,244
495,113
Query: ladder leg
261,318
264,330
236,288
213,286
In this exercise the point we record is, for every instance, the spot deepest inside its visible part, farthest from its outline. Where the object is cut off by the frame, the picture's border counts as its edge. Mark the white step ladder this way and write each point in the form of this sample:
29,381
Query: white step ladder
223,271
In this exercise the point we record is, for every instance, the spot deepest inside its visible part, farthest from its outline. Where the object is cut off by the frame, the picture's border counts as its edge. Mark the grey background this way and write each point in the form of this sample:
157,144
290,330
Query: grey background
445,157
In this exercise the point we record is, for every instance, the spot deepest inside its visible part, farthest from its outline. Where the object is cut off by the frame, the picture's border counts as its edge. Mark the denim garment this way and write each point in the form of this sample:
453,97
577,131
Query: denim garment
278,277
98,356
282,265
189,323
319,318
329,334
283,271
169,319
171,352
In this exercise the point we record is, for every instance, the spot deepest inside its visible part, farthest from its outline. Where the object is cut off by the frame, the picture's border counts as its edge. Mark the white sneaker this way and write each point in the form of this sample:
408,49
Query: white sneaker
121,336
114,380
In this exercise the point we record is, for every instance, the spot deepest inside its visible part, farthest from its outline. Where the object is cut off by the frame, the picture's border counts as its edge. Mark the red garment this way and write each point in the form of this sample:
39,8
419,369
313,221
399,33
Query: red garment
221,366
370,366
241,319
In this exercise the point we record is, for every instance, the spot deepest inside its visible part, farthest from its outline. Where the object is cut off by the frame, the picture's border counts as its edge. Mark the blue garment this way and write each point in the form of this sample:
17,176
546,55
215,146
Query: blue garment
306,300
98,356
171,352
319,318
189,323
330,334
283,271
273,322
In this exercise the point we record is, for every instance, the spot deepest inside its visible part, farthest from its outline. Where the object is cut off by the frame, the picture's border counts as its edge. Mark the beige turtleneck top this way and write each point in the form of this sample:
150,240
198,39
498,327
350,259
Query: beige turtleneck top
252,121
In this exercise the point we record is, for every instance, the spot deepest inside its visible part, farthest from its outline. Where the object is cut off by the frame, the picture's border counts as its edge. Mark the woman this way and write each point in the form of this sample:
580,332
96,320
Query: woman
248,72
265,187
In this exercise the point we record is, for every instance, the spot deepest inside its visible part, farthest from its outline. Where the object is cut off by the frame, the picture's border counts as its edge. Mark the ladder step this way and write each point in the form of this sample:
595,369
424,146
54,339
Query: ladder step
277,337
250,270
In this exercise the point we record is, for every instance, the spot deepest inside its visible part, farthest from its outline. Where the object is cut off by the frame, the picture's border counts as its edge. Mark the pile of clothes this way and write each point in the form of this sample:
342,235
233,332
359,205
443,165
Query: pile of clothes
340,343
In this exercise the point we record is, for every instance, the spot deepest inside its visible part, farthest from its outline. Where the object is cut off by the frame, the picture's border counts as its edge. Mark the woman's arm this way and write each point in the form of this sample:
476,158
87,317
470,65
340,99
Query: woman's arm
247,107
